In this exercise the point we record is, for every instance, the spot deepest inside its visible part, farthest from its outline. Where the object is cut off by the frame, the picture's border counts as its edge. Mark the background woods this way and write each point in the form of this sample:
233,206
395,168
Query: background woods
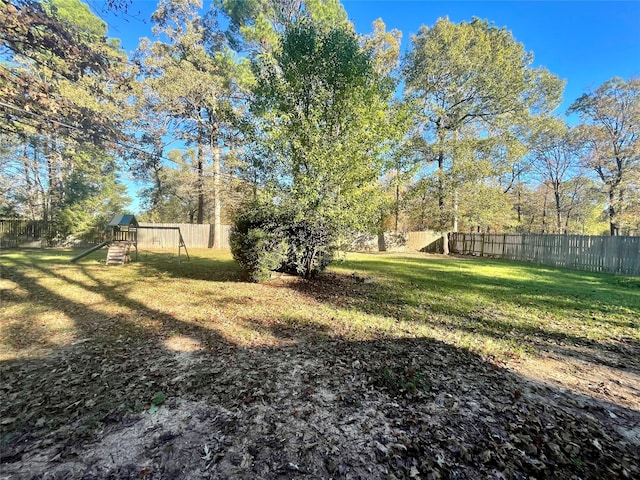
229,102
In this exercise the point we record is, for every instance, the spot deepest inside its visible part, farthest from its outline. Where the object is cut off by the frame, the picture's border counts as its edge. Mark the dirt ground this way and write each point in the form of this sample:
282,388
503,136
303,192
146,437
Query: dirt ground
389,409
181,402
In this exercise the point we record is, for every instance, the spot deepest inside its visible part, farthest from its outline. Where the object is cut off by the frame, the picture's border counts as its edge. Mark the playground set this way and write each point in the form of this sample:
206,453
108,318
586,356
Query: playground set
122,234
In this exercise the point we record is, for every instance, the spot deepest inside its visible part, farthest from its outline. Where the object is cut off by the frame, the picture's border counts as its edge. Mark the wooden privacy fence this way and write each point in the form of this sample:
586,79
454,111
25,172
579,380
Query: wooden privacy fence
19,233
195,236
594,254
36,233
425,241
15,232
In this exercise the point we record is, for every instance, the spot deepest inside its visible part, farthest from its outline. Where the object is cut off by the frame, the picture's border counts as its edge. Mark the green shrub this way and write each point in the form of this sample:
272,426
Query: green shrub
258,243
266,238
310,247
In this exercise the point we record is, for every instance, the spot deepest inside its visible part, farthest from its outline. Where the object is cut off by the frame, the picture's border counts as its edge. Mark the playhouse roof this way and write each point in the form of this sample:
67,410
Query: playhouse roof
123,221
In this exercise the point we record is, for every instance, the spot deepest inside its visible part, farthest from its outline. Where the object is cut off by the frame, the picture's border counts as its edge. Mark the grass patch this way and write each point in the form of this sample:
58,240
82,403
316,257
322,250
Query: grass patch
492,307
502,308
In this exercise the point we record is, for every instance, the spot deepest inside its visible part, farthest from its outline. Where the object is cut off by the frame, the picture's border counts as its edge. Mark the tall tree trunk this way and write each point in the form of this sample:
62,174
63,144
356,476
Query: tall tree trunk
382,244
621,192
40,188
445,243
200,172
567,217
50,203
570,208
454,158
31,192
519,209
544,214
455,210
423,210
556,196
440,159
217,201
397,212
613,227
441,204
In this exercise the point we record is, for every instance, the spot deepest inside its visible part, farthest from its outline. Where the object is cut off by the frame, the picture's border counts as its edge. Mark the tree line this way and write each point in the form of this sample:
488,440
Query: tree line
282,103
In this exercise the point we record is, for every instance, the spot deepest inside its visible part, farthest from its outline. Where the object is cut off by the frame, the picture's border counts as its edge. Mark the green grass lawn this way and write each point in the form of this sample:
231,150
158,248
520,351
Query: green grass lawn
491,307
503,308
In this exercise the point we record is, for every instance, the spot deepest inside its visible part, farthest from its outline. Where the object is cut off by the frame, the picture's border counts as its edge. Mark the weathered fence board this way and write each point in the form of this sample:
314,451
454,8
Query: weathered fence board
594,254
36,233
195,236
19,233
426,241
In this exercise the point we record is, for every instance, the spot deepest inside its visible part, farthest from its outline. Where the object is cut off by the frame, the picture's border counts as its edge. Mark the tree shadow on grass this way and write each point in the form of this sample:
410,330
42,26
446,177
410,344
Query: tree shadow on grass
428,292
520,283
199,267
126,347
311,406
22,335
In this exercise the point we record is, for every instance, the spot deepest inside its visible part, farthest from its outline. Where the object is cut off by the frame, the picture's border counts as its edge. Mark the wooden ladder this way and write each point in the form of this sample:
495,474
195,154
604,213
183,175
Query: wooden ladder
118,253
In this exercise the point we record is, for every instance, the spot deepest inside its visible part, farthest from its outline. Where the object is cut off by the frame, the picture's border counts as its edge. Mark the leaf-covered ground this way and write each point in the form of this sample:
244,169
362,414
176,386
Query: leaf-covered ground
385,367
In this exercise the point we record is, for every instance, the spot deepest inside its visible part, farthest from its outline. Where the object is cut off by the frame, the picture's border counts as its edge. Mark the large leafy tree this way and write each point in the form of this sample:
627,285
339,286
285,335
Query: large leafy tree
192,81
175,196
60,66
556,160
64,87
384,48
470,82
322,117
256,25
611,131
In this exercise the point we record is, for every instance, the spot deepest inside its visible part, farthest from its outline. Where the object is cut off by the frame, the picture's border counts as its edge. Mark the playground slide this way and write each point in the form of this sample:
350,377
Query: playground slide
91,250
